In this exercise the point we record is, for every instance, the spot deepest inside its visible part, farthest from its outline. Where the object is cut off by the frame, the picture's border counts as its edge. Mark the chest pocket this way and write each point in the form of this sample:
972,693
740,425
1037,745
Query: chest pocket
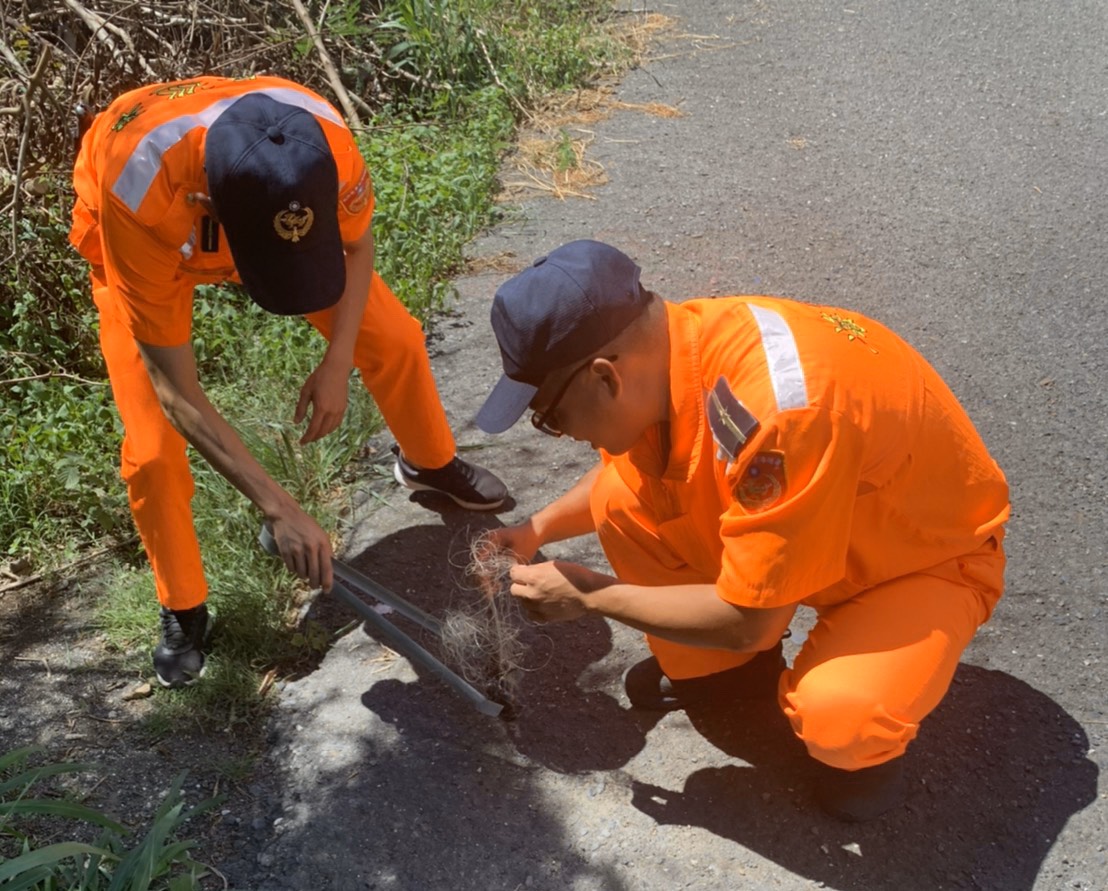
178,228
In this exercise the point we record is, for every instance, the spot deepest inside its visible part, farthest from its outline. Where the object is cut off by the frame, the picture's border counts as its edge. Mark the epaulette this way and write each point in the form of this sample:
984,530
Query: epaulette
729,419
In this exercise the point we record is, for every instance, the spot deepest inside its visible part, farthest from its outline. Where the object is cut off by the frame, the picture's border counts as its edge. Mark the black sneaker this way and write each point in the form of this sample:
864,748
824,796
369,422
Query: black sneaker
472,487
179,657
859,795
649,689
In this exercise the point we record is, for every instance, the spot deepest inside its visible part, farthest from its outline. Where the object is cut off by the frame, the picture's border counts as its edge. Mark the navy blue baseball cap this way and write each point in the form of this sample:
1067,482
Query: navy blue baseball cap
558,311
275,186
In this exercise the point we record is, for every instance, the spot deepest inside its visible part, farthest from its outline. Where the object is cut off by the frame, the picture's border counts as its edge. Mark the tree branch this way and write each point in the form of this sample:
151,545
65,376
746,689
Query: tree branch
329,69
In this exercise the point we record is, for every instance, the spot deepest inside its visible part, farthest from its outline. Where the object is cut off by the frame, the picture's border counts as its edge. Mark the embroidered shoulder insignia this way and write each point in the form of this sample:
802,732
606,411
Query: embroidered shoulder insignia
853,330
180,90
729,419
354,199
124,119
763,482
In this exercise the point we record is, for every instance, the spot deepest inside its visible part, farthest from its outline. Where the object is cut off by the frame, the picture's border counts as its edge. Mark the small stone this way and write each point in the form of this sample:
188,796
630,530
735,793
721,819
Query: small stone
142,691
853,848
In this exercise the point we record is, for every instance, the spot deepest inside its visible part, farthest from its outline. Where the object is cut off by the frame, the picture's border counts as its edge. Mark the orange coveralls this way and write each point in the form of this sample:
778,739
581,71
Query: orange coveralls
864,492
135,222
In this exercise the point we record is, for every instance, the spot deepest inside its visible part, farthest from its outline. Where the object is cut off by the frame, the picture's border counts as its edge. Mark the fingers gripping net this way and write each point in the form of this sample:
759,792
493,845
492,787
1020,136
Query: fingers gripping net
482,638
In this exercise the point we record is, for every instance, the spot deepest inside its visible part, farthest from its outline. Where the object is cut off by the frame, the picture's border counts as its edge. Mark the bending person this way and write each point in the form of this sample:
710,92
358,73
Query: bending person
256,181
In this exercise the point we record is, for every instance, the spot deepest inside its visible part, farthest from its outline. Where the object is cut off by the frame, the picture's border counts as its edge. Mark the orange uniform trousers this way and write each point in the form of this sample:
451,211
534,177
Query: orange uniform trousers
390,355
872,667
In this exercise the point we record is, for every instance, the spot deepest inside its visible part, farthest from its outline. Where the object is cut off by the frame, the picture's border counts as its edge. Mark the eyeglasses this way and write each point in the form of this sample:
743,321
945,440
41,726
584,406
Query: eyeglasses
544,421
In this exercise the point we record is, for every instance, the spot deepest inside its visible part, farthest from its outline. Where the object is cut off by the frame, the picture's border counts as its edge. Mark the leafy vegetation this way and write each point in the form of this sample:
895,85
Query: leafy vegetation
113,860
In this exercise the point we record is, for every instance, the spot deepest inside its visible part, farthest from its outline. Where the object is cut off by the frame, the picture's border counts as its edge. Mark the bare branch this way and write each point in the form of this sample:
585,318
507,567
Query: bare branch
28,124
352,117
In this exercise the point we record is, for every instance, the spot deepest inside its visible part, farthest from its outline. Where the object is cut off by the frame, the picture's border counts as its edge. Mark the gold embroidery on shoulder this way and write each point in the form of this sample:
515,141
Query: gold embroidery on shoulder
124,119
853,330
180,90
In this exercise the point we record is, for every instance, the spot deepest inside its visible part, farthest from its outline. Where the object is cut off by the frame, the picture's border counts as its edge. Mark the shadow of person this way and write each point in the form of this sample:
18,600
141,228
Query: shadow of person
425,565
994,775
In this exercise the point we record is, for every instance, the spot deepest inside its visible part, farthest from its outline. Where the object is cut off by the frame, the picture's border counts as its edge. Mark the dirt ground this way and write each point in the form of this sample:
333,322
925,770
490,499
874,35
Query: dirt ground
943,180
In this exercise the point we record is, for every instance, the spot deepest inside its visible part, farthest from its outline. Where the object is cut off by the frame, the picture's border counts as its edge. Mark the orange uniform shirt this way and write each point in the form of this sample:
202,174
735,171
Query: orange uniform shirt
862,466
139,163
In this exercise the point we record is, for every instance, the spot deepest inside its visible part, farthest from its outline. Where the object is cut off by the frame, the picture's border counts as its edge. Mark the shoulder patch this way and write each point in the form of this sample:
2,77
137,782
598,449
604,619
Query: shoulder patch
763,482
729,419
852,329
355,198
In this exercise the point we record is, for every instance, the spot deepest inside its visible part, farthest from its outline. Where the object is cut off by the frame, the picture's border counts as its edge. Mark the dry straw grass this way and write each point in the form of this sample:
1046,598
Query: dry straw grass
551,155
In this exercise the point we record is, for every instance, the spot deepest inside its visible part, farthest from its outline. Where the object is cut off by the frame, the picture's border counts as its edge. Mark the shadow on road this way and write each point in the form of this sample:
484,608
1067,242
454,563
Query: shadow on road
604,735
997,756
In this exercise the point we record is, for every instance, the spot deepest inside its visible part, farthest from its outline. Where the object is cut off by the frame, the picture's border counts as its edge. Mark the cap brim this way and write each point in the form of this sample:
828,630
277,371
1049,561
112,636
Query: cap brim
294,284
505,404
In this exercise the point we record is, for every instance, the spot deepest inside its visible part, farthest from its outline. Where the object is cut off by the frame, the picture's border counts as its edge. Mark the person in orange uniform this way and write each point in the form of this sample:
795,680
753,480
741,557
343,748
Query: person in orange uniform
256,181
757,454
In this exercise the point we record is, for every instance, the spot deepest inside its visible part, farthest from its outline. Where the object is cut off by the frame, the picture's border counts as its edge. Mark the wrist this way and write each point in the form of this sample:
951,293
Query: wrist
278,507
338,358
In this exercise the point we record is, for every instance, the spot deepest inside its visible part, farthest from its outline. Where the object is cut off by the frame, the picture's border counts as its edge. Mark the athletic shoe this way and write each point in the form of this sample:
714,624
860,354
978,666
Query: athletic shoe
179,657
859,795
472,487
649,689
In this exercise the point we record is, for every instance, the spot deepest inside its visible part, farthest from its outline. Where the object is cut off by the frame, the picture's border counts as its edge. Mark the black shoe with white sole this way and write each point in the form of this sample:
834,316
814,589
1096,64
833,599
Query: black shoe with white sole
180,655
471,487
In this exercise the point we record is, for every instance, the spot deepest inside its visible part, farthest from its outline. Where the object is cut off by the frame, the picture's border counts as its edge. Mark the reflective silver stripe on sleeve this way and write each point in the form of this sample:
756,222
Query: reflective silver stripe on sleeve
785,371
146,160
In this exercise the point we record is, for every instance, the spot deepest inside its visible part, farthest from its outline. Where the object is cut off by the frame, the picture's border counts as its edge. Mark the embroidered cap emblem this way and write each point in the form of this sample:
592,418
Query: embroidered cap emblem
294,223
763,482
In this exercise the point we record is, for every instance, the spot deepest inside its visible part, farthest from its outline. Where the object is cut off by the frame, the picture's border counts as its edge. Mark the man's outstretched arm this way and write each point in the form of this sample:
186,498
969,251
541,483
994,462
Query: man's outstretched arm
304,545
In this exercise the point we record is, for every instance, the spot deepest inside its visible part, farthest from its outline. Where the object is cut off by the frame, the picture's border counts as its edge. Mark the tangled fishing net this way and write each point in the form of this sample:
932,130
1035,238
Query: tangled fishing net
482,638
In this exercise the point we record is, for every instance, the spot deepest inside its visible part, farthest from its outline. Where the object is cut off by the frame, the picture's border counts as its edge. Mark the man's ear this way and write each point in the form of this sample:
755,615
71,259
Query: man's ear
609,375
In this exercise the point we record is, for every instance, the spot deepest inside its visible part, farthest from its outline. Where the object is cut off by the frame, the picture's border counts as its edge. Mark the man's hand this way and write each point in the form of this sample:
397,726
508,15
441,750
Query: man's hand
555,591
305,548
325,391
521,540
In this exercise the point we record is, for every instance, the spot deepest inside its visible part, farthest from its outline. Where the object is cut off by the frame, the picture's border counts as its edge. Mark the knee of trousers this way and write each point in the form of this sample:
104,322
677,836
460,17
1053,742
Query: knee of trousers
156,467
405,345
843,727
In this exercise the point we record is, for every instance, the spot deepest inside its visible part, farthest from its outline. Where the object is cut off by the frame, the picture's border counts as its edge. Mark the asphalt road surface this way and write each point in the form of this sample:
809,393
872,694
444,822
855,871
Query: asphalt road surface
939,165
